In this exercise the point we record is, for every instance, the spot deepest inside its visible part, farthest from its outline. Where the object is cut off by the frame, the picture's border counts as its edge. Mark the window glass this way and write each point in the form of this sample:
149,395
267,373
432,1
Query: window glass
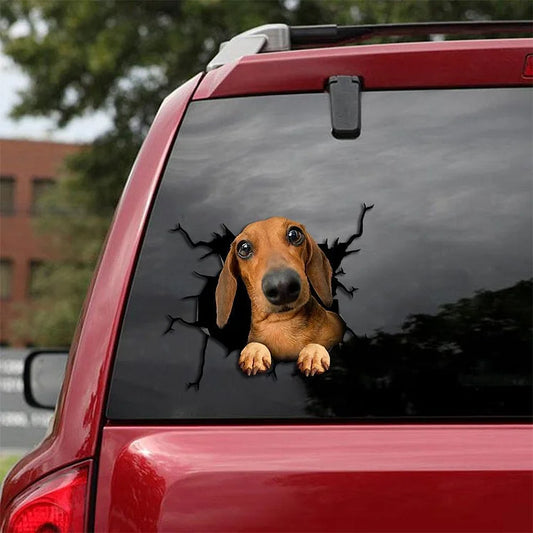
40,188
36,275
7,195
425,221
6,278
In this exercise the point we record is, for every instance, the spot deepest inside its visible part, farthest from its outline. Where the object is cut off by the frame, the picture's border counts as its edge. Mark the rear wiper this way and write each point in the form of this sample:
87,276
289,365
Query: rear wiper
345,103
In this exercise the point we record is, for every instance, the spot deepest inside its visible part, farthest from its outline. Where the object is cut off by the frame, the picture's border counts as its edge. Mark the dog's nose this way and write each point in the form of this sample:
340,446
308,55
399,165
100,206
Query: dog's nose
281,286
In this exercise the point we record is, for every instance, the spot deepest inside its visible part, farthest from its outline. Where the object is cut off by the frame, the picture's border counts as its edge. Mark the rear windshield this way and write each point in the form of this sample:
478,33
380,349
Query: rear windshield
423,226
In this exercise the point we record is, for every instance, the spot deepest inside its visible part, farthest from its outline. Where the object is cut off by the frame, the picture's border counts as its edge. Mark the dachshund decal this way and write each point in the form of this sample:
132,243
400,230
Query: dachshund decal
275,258
269,301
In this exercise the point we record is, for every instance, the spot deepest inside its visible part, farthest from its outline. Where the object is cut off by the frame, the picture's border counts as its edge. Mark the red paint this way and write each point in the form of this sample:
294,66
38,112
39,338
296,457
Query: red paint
316,478
384,66
80,410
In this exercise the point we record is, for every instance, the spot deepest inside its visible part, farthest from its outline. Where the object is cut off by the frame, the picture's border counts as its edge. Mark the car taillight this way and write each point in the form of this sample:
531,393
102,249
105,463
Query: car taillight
56,504
528,67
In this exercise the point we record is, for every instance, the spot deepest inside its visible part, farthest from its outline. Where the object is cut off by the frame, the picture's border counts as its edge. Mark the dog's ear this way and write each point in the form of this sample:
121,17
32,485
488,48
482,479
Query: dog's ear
319,271
226,288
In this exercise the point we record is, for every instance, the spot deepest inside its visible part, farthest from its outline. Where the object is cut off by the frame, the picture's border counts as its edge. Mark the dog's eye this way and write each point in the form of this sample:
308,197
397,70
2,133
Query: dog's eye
244,249
295,236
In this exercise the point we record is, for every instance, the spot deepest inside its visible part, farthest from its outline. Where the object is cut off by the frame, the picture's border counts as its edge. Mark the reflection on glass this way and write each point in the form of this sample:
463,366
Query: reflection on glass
472,357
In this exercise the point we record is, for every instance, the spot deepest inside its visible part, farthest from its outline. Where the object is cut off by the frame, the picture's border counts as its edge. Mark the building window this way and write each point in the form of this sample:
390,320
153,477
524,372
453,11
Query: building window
36,267
7,195
6,278
40,188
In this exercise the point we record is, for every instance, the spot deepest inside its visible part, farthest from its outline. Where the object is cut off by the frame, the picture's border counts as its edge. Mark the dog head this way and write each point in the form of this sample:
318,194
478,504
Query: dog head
275,258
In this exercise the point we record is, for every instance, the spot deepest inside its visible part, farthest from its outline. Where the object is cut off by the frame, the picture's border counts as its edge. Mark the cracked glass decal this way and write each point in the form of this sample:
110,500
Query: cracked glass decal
298,317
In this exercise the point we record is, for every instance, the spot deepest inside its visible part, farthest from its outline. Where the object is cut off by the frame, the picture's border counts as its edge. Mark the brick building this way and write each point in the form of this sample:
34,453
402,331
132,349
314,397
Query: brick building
27,170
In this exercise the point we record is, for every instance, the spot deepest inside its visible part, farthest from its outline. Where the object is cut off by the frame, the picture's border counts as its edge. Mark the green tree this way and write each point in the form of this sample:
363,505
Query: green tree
123,57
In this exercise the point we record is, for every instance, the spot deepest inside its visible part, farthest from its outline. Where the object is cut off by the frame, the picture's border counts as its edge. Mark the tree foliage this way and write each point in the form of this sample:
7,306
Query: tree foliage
473,357
123,57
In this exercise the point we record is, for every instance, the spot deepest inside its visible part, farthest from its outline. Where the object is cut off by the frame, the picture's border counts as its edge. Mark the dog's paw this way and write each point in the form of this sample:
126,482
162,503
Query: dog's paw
313,359
255,358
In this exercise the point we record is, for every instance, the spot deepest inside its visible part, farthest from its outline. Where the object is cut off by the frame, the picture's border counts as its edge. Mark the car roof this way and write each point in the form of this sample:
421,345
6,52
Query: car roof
281,37
420,65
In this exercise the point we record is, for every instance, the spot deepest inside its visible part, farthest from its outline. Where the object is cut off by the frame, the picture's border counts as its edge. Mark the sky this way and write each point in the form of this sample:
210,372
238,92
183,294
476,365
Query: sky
13,80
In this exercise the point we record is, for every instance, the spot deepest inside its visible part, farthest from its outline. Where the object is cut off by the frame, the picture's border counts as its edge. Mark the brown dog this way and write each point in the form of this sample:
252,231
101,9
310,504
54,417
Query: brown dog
275,258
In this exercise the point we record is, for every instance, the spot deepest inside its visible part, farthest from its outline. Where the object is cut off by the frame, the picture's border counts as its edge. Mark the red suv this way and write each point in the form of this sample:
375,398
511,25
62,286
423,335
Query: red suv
313,308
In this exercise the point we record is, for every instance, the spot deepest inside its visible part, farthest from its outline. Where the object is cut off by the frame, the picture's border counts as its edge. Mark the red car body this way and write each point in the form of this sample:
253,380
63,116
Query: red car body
335,477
